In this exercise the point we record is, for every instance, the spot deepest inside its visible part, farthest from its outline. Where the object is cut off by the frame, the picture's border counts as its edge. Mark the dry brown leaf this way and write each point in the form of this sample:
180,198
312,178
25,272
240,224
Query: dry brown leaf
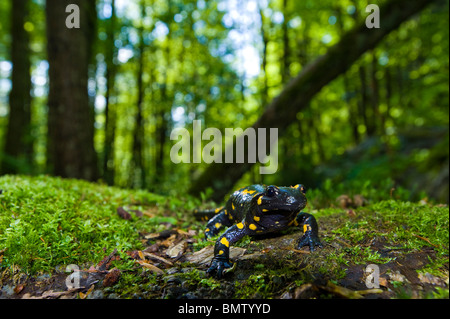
175,250
111,277
161,259
169,241
150,267
141,255
84,295
151,236
18,289
123,213
50,294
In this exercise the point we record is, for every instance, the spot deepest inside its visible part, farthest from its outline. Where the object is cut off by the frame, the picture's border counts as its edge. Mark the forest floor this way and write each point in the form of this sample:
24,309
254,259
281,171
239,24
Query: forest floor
133,244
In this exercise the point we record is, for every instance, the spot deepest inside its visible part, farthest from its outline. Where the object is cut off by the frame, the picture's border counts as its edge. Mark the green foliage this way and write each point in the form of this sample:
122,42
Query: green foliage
45,222
354,138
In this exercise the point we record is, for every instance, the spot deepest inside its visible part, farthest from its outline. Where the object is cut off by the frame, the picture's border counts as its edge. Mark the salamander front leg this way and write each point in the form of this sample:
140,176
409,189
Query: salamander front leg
310,232
221,260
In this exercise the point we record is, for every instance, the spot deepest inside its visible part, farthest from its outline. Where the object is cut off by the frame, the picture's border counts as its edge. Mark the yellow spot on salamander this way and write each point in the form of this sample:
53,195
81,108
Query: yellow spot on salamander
265,210
217,225
240,225
232,206
260,200
306,227
217,210
256,218
225,242
220,252
207,230
252,226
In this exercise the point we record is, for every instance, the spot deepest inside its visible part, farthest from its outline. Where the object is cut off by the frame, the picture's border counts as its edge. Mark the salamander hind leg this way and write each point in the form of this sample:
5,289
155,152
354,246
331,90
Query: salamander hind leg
310,236
216,223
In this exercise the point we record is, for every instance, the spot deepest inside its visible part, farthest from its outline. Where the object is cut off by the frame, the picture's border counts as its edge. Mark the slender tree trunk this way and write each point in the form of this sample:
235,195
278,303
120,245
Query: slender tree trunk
299,91
110,112
164,107
18,152
352,107
388,81
265,39
138,169
374,94
285,72
71,150
363,104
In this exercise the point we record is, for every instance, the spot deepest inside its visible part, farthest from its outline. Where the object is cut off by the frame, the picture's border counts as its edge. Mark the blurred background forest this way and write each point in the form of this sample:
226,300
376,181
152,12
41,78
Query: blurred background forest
99,102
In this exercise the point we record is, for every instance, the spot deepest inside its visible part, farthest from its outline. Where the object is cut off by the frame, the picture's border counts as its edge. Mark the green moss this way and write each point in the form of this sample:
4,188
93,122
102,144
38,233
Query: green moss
46,221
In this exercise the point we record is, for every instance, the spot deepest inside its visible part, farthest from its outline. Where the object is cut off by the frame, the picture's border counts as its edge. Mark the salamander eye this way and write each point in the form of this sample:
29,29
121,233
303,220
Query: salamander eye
271,191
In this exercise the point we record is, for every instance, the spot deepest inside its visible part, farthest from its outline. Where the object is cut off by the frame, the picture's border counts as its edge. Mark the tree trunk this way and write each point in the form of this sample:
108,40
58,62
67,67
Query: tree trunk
163,108
18,152
374,94
70,149
138,169
265,39
299,91
110,112
285,72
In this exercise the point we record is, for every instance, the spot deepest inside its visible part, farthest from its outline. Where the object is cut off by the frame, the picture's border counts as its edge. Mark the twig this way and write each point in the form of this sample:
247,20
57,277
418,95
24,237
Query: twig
426,239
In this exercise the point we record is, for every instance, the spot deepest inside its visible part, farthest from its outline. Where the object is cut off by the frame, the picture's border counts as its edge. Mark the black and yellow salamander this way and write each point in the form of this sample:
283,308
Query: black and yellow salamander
258,209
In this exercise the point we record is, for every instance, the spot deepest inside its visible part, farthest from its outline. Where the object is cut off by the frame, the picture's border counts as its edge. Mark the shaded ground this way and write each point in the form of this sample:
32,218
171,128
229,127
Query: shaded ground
173,263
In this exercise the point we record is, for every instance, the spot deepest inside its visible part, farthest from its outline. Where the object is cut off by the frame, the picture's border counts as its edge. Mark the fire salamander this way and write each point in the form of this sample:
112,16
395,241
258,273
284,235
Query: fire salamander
258,209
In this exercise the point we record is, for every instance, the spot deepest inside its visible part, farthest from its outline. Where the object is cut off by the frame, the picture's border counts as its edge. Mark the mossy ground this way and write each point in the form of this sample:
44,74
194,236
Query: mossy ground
48,223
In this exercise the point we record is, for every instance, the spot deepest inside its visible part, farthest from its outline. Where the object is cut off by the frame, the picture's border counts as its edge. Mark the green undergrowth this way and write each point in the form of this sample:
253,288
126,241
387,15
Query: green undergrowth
48,221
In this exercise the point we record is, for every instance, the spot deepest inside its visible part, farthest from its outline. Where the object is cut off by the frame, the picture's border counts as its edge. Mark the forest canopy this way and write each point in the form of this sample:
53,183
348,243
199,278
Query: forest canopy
99,102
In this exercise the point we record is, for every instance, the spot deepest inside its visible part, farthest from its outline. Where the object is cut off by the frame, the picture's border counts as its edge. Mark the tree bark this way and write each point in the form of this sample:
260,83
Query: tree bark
18,151
70,147
110,112
300,90
138,169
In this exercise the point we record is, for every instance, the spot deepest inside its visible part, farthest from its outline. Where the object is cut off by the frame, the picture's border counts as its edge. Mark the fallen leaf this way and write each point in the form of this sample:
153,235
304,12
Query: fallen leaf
123,213
161,259
105,263
175,250
111,277
141,255
150,267
18,289
169,241
50,294
383,282
84,295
